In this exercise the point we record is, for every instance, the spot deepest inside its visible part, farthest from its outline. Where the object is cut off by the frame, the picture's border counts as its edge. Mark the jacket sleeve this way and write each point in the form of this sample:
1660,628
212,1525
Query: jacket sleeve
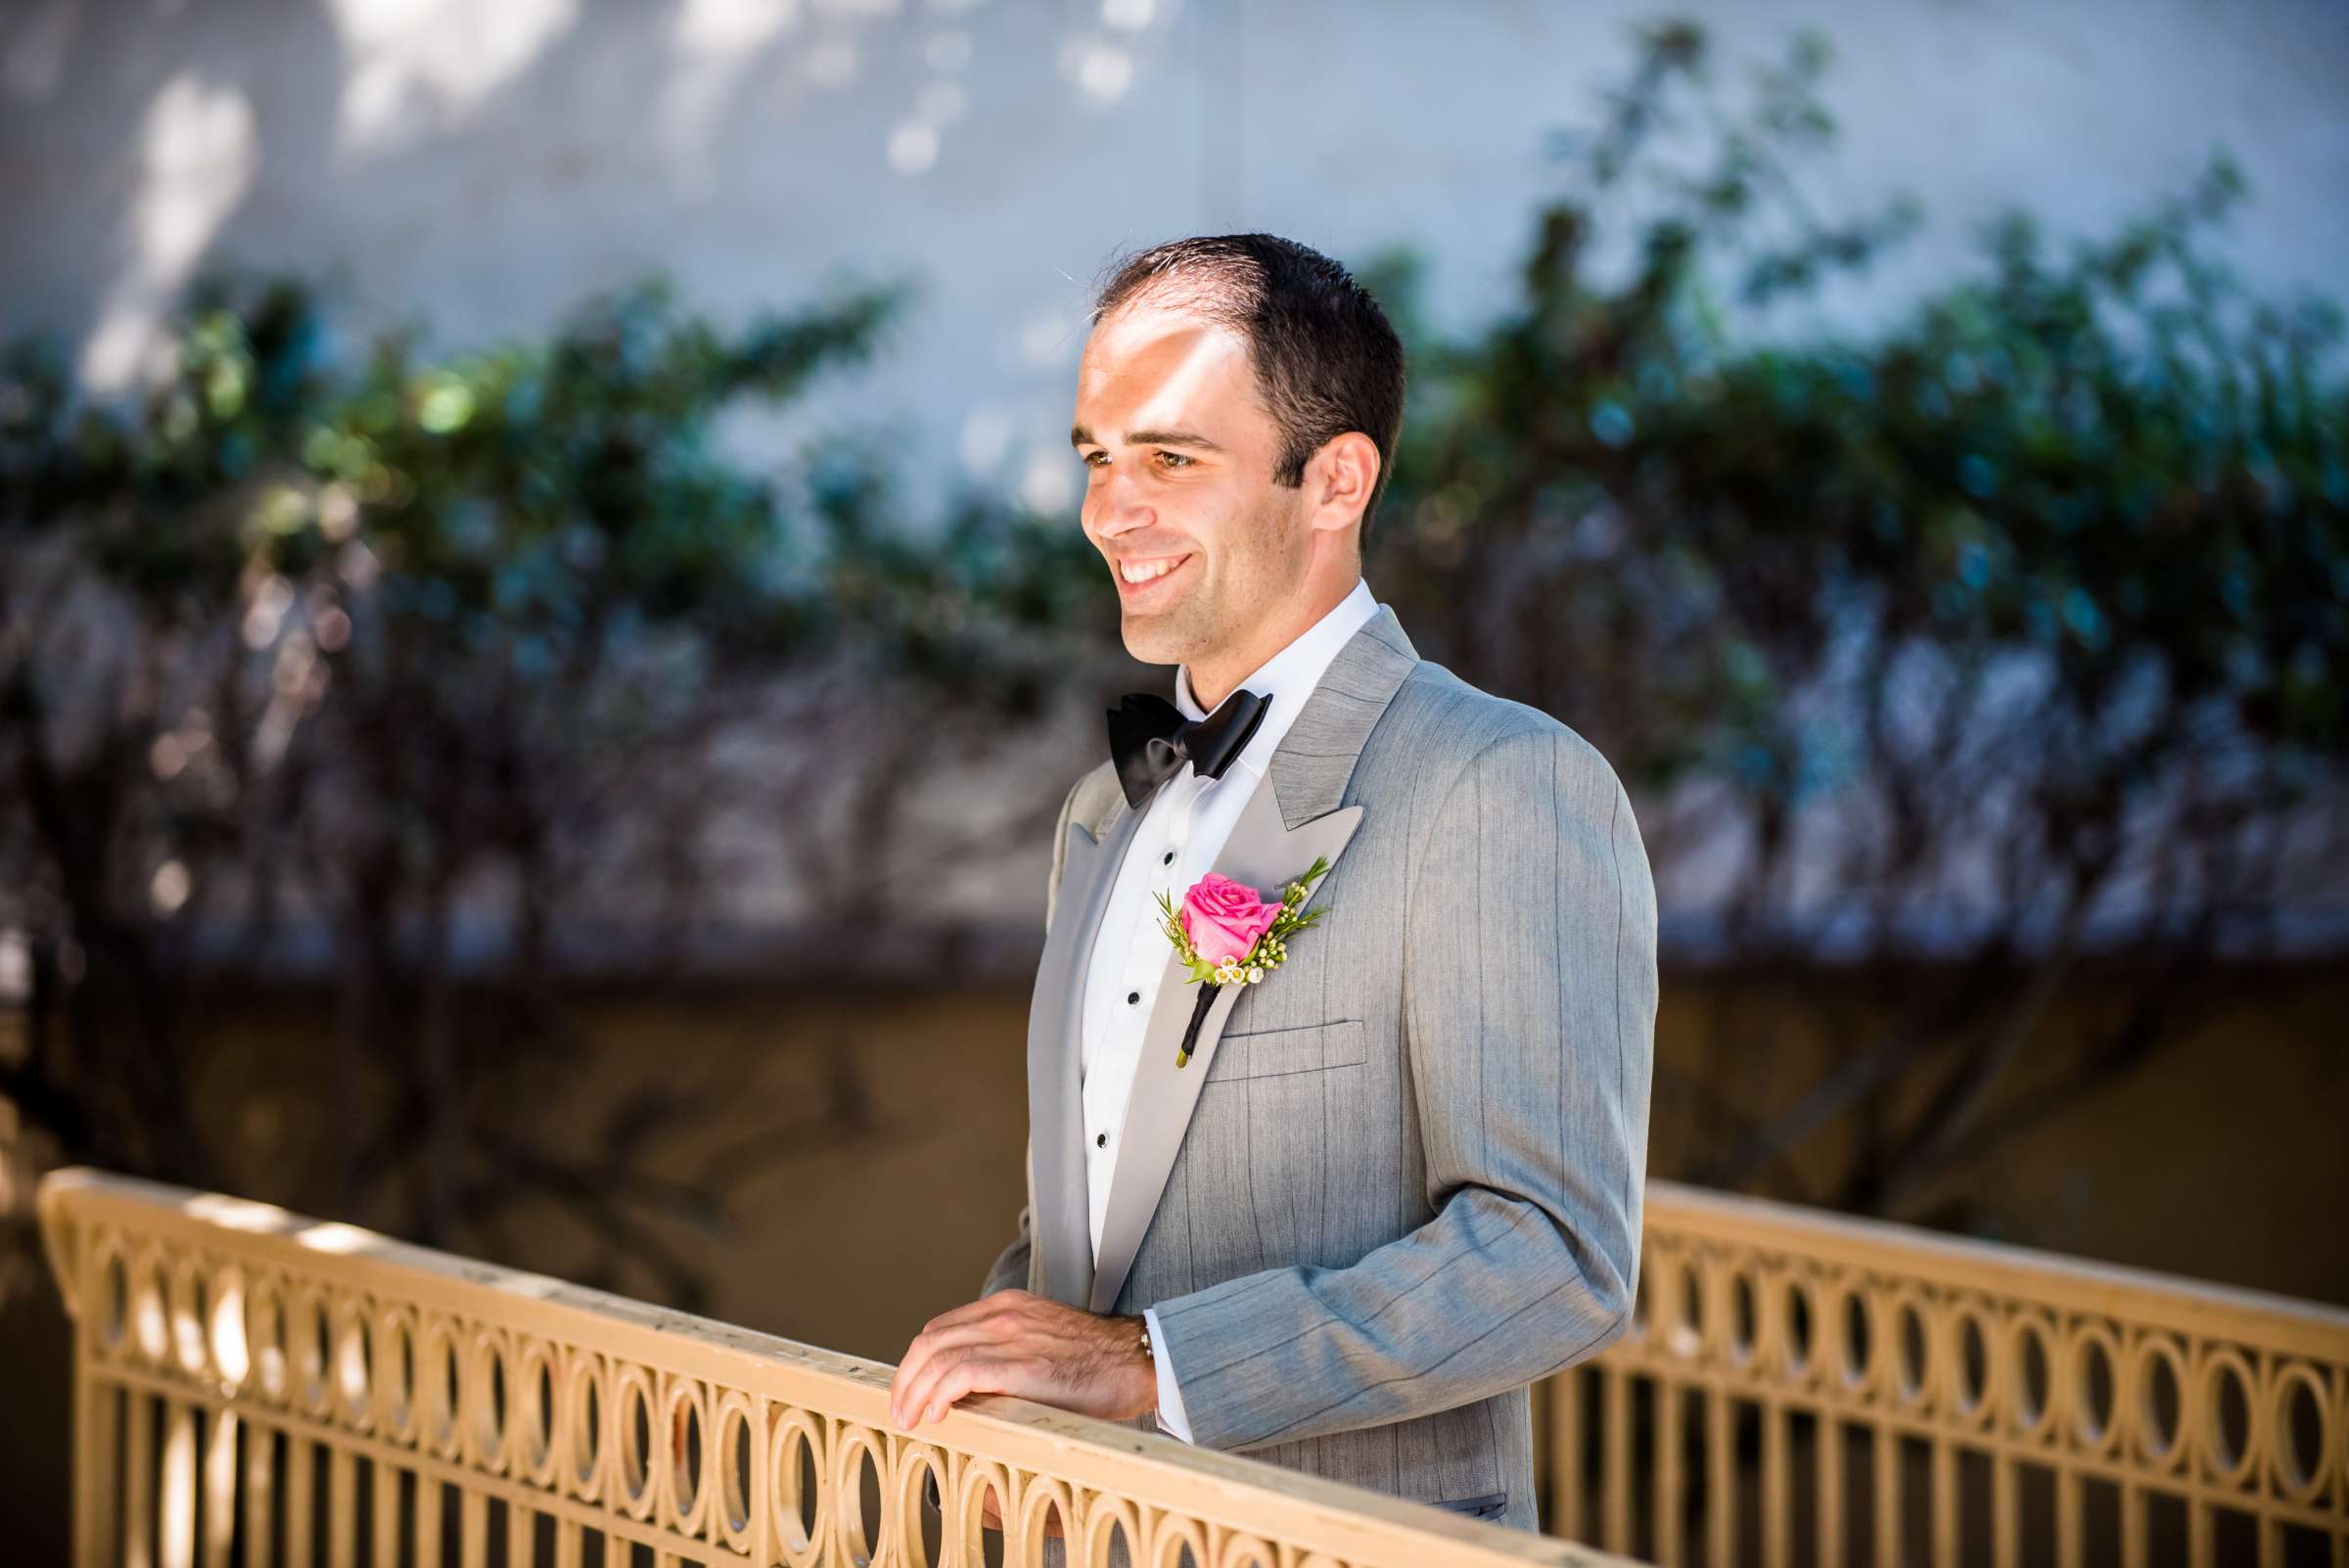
1010,1266
1529,947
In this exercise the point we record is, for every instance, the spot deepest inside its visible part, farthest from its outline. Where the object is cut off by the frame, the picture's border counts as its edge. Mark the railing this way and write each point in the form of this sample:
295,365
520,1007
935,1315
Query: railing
1805,1388
252,1387
255,1388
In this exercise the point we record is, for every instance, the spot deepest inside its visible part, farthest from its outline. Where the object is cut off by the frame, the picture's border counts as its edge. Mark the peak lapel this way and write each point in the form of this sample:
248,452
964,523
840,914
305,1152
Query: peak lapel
1291,818
1062,1233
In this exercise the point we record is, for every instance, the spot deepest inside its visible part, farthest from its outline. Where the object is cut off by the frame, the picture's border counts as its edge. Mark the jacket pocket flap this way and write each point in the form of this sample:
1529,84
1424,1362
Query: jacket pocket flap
1485,1508
1303,1050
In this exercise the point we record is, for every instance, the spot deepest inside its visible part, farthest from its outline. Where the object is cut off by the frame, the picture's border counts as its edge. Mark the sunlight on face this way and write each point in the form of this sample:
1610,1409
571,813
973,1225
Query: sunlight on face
1178,449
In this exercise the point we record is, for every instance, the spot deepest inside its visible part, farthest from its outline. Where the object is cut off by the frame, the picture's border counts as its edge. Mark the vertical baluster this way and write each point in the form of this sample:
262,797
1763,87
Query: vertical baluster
1538,1397
1777,1488
1670,1499
2068,1547
138,1482
2133,1526
2006,1542
566,1543
521,1536
97,1484
1829,1477
1566,1454
301,1485
1615,1471
384,1518
1721,1480
427,1520
261,1493
472,1529
2200,1548
342,1508
177,1547
1945,1503
220,1489
2271,1542
1888,1495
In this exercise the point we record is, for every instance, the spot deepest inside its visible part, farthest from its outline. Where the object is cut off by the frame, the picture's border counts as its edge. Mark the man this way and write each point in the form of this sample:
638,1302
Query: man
1399,1178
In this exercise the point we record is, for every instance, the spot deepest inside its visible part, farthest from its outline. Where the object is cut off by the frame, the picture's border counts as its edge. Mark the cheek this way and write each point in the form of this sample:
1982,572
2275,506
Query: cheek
1221,530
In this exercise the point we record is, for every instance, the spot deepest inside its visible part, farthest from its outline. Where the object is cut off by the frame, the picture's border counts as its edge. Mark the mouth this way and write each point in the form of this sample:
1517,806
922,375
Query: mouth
1142,579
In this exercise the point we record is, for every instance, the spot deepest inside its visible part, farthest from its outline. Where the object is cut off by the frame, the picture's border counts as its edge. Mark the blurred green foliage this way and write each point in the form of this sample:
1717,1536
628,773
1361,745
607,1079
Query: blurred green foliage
1633,502
538,505
304,642
2011,630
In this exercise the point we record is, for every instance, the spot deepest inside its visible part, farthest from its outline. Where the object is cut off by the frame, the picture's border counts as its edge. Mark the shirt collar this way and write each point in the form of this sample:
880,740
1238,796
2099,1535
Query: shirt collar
1289,677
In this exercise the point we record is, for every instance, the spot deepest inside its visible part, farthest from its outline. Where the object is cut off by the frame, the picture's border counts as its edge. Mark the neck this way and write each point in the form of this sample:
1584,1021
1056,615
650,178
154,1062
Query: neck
1217,675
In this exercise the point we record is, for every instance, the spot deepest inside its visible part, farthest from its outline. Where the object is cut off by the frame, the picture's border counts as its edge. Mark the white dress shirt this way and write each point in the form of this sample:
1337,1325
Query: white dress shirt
1183,830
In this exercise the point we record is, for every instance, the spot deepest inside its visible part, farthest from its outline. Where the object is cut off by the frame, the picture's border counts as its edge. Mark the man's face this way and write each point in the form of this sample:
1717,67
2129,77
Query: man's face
1178,450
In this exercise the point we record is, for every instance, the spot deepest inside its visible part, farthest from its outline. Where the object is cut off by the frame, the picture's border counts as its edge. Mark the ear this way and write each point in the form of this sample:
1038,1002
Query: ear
1340,478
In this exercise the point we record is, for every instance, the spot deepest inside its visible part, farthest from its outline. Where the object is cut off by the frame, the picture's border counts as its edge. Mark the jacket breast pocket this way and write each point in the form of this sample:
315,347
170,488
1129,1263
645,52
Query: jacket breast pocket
1271,1053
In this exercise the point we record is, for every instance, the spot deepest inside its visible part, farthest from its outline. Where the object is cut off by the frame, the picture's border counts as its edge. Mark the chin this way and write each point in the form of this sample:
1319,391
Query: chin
1144,645
1155,640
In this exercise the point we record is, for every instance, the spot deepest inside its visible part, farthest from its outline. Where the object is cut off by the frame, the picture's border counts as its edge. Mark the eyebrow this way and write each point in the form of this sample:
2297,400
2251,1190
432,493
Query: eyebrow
1079,436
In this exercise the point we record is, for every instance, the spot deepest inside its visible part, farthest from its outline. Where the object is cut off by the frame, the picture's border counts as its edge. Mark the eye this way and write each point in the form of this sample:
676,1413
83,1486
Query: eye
1180,459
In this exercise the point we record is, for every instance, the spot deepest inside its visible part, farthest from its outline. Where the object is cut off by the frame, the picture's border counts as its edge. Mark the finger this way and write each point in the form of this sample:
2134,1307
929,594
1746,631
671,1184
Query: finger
939,1394
926,1344
921,1388
971,1334
975,1375
1021,1376
915,1373
909,1366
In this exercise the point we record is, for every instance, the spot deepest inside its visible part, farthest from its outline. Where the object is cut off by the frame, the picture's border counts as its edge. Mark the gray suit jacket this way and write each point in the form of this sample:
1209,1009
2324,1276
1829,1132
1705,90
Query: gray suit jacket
1399,1180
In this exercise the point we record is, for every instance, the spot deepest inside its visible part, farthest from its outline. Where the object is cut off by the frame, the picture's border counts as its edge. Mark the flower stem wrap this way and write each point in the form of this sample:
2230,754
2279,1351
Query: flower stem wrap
1191,1036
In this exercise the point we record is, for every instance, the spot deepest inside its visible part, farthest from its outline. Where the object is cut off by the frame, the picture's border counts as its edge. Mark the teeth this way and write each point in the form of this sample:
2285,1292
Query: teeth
1145,571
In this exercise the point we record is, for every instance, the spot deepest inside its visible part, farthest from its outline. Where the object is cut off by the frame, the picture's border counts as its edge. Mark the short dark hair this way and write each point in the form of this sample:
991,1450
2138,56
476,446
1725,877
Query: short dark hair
1326,358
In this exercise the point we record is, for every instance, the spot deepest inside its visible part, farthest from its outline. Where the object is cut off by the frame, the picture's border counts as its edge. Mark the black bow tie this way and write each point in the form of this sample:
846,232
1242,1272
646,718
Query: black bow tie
1150,740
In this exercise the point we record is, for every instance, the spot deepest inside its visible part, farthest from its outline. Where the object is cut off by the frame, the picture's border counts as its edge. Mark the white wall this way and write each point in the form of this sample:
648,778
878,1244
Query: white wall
488,165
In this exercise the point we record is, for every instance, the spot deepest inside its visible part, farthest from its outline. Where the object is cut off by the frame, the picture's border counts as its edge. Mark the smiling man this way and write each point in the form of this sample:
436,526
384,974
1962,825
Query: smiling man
1397,1177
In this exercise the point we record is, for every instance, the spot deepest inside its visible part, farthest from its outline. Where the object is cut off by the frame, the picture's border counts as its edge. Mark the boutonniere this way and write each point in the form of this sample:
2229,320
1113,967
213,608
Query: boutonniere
1227,935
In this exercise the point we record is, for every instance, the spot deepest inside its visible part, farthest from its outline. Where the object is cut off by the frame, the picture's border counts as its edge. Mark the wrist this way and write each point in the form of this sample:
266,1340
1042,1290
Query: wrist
1141,1363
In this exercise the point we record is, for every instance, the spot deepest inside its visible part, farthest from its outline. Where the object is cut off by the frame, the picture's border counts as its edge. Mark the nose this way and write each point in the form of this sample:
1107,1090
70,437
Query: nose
1111,508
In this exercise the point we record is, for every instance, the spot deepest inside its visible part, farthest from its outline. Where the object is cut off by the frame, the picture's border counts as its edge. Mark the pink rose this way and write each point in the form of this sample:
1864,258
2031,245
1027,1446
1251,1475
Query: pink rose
1223,918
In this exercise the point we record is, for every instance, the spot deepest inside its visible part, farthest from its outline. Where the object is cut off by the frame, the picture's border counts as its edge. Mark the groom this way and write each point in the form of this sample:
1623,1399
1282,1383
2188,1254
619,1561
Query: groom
1399,1178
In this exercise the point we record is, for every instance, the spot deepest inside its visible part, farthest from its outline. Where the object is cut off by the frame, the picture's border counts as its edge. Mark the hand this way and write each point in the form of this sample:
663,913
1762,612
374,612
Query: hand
1014,1342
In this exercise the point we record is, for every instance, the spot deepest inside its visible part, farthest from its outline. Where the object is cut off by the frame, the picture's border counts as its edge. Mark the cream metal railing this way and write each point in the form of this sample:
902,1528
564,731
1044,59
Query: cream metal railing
255,1388
1801,1387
